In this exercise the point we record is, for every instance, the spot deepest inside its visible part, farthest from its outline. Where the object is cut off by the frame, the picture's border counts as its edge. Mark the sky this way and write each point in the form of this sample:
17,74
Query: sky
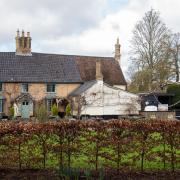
80,27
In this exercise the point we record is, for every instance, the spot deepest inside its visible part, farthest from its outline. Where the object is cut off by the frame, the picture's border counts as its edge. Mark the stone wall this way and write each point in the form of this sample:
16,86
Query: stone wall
36,90
164,115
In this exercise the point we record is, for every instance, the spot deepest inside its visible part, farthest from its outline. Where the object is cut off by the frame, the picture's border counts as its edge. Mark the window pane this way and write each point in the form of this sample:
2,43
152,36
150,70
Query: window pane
50,87
1,105
0,87
49,104
24,87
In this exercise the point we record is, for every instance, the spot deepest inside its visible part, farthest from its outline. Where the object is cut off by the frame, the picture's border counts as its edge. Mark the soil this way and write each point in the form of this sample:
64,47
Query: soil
49,174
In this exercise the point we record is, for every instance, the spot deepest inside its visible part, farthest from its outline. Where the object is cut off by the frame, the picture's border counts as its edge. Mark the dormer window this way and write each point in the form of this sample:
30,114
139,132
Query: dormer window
24,87
51,87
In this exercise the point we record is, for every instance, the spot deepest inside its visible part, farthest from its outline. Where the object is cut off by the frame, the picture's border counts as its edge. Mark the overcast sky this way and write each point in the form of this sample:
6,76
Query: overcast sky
85,27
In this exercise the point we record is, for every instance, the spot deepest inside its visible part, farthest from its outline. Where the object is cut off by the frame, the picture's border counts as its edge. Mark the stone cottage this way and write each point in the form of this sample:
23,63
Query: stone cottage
27,78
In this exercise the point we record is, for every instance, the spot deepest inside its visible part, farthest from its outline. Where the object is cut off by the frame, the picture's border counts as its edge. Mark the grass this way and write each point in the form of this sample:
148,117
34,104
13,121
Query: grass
32,155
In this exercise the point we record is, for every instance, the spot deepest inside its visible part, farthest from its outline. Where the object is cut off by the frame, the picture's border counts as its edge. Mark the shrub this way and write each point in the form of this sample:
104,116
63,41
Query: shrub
68,110
41,112
91,145
54,110
11,110
174,89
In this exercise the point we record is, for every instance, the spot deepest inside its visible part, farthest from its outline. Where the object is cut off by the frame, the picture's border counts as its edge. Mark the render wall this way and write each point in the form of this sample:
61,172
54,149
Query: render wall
105,100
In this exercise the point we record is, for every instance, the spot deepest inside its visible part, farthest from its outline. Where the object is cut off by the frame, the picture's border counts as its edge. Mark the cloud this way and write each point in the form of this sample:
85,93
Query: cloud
48,18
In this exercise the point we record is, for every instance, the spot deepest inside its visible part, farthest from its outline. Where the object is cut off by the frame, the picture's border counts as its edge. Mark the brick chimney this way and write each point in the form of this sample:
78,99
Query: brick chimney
117,55
99,75
23,44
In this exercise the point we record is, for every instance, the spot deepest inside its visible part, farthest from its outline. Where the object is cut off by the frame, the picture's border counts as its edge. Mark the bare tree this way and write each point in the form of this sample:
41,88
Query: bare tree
150,49
175,50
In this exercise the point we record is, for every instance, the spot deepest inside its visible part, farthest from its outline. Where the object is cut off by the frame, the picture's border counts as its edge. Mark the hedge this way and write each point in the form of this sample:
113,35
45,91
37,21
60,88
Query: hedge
115,144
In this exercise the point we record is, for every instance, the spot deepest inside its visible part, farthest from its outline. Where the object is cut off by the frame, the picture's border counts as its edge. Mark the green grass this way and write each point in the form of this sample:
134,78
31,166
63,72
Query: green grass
32,150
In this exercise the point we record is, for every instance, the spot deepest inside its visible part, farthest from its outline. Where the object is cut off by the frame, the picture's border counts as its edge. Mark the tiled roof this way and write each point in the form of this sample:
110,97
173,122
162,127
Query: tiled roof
83,88
112,73
38,68
57,68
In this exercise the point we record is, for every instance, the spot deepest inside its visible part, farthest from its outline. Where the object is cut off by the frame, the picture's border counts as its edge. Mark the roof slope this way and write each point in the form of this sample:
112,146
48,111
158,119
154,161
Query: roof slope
111,70
87,85
83,88
57,68
38,68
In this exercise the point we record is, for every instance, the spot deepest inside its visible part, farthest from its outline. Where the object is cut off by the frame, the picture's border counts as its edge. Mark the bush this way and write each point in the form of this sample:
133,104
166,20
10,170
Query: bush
68,110
95,145
11,110
54,110
41,112
174,89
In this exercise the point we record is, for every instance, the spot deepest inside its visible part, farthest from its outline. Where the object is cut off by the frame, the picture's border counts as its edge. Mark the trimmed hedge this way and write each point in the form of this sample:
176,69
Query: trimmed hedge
116,144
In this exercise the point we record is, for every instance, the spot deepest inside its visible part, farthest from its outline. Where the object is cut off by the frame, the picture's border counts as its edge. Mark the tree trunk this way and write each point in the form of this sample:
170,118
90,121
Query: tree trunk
172,157
69,155
44,155
97,154
142,160
19,153
177,65
118,157
143,153
61,155
164,151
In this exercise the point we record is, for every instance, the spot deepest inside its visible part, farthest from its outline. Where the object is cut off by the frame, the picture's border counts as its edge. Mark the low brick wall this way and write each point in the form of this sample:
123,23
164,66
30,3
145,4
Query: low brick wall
166,115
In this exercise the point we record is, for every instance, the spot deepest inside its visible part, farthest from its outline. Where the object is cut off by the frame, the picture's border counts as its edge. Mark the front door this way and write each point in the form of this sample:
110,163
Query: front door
25,109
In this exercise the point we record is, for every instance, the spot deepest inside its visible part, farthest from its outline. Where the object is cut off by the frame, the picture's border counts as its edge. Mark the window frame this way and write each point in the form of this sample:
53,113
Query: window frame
1,105
1,86
24,90
51,88
49,103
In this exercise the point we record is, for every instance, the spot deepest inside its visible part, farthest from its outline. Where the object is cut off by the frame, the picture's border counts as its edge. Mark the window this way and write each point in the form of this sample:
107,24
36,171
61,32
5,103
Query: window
49,104
1,105
25,103
24,87
50,87
0,87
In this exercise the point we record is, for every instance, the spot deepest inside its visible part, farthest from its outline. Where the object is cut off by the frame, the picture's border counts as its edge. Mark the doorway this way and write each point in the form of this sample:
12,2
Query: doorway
25,110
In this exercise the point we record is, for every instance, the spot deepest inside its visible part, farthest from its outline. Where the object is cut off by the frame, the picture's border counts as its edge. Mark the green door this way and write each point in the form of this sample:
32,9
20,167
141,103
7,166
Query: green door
25,110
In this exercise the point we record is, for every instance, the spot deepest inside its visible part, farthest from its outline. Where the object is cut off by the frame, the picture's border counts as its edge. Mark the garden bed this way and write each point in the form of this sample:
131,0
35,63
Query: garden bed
36,174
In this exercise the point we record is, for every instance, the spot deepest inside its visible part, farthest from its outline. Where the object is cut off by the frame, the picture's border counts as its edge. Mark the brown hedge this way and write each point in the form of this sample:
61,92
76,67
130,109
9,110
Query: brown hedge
100,143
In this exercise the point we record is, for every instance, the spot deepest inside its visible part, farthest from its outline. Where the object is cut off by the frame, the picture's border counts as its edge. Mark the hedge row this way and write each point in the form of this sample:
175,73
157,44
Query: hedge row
119,144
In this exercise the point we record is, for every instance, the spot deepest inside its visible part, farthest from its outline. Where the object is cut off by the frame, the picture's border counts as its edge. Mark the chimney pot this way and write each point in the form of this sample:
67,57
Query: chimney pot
17,33
28,34
22,33
117,55
23,44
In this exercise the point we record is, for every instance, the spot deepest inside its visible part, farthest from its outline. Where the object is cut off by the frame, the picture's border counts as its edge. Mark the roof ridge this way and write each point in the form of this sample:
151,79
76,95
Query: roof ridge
55,54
